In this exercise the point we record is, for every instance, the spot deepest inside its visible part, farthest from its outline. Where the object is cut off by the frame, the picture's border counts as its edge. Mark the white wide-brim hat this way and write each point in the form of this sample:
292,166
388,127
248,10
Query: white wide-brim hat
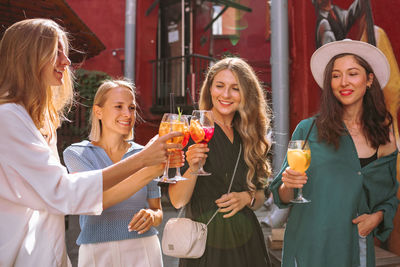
375,58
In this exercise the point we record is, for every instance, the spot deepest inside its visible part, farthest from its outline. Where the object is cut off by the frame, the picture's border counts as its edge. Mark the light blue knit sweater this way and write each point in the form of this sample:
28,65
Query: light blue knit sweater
112,224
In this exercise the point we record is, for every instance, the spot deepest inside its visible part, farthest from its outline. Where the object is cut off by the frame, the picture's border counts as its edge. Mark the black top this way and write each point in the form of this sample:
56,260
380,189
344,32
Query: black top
366,161
236,241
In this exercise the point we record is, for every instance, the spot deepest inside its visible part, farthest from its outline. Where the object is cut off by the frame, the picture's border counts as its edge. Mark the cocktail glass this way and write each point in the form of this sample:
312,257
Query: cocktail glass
299,159
170,123
201,130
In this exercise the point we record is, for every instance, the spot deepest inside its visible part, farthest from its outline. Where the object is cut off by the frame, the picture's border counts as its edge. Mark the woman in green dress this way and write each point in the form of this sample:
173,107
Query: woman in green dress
351,181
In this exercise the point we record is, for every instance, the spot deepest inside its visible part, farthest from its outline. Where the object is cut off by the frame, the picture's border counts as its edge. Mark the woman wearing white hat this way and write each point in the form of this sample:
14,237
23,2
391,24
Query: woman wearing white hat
351,181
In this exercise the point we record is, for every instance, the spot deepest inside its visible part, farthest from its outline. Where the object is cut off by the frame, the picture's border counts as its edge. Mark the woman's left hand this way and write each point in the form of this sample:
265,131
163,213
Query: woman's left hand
232,203
176,158
142,221
368,222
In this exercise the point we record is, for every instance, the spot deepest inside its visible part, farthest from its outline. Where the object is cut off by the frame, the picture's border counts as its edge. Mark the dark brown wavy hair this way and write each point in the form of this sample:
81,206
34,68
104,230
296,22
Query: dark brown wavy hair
376,119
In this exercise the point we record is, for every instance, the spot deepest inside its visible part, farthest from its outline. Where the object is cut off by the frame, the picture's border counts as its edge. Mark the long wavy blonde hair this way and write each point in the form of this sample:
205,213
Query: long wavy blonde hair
252,120
99,100
25,49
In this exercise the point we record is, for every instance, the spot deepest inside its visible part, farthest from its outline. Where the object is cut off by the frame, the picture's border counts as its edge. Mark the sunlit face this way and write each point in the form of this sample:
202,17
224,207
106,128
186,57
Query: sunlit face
118,113
349,81
225,94
53,72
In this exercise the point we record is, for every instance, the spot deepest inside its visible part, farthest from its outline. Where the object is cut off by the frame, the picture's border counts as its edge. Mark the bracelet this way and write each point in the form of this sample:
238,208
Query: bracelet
253,198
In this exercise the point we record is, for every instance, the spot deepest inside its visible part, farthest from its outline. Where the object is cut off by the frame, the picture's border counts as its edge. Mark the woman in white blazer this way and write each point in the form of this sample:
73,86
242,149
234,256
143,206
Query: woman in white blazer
36,191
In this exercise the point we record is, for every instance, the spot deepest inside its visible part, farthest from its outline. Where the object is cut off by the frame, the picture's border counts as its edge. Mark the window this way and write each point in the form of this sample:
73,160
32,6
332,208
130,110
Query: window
225,23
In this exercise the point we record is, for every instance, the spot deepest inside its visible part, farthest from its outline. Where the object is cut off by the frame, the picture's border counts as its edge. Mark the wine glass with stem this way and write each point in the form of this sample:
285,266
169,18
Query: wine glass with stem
186,136
299,159
168,124
201,130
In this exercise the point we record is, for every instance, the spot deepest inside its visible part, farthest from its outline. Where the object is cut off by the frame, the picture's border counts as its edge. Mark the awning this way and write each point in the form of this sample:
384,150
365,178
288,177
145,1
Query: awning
82,38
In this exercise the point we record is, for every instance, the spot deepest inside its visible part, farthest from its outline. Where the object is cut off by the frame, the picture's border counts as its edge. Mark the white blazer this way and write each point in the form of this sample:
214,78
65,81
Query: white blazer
36,192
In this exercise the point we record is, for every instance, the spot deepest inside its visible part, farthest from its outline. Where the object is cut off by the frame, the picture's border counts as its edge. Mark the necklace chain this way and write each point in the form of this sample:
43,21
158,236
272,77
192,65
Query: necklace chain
230,126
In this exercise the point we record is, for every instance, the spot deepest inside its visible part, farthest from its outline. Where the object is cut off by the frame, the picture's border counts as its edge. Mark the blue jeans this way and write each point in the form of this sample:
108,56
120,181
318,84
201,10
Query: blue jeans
362,241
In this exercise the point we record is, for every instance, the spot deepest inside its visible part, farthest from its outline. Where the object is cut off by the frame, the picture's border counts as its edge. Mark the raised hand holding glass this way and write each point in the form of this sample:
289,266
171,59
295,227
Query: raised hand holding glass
170,123
186,135
299,159
201,130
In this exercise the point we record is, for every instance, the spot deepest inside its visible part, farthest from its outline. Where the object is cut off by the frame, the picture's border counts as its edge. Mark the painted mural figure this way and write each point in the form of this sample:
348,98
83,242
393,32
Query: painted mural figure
351,181
333,22
105,238
36,190
234,94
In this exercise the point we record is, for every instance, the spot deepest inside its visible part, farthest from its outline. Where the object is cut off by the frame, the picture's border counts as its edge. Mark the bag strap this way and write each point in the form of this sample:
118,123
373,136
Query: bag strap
229,189
230,186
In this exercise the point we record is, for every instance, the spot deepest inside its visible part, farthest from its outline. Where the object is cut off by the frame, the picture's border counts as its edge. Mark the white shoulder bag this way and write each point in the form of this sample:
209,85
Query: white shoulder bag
185,238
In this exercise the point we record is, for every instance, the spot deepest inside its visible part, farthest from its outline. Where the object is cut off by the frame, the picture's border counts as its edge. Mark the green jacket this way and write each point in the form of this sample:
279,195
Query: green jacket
321,233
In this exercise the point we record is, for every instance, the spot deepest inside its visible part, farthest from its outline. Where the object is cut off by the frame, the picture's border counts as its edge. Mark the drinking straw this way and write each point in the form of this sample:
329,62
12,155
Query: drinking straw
308,134
191,98
171,102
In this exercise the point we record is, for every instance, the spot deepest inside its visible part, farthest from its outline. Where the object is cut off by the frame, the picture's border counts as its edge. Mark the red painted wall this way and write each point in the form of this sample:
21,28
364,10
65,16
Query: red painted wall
304,92
107,20
253,45
146,50
386,16
201,19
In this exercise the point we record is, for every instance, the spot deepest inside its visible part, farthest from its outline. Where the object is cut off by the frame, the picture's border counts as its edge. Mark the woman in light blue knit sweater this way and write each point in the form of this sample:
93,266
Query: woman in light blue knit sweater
106,240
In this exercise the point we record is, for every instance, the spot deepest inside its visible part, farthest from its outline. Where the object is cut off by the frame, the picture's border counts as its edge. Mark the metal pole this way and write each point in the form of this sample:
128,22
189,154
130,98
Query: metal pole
182,93
130,35
280,79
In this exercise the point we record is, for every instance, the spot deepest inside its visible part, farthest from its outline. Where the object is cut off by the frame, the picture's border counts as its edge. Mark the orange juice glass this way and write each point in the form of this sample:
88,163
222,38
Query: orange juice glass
299,159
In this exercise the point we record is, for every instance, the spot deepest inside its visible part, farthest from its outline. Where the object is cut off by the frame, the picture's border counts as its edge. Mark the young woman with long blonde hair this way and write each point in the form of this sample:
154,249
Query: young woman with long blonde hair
105,239
36,190
233,93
